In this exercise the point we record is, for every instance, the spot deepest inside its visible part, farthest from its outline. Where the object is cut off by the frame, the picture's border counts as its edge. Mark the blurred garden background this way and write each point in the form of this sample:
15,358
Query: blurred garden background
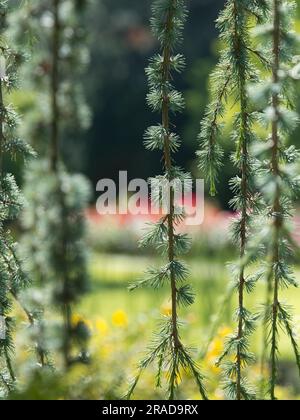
120,44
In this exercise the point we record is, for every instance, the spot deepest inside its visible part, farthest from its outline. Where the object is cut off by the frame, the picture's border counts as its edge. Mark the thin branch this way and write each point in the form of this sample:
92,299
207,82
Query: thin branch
277,211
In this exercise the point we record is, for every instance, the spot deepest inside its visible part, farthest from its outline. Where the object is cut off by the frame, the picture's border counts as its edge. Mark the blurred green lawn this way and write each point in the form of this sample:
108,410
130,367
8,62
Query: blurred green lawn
111,275
122,325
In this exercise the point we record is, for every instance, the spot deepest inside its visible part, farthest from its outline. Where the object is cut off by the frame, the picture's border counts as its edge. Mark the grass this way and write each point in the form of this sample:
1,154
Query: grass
122,324
111,275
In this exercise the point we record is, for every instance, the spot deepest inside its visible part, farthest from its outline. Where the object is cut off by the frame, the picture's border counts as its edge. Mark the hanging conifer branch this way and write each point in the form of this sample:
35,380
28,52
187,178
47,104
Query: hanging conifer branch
237,65
277,211
166,69
12,278
243,184
61,247
167,349
62,258
54,215
210,152
278,180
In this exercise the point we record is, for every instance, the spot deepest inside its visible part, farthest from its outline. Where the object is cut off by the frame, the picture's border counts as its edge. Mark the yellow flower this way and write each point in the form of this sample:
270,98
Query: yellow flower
75,319
166,309
215,349
120,319
224,332
101,326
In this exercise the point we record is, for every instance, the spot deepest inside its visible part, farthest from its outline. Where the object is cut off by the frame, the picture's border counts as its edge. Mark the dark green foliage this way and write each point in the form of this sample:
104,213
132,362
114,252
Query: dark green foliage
55,216
12,277
167,350
31,26
59,268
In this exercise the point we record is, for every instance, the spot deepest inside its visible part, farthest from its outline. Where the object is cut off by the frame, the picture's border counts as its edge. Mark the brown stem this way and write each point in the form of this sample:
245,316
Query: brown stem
243,144
168,164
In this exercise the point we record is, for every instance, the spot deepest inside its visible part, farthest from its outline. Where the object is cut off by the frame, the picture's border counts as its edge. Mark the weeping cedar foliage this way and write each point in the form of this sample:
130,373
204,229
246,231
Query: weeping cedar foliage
229,85
268,183
12,277
167,349
278,177
54,221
